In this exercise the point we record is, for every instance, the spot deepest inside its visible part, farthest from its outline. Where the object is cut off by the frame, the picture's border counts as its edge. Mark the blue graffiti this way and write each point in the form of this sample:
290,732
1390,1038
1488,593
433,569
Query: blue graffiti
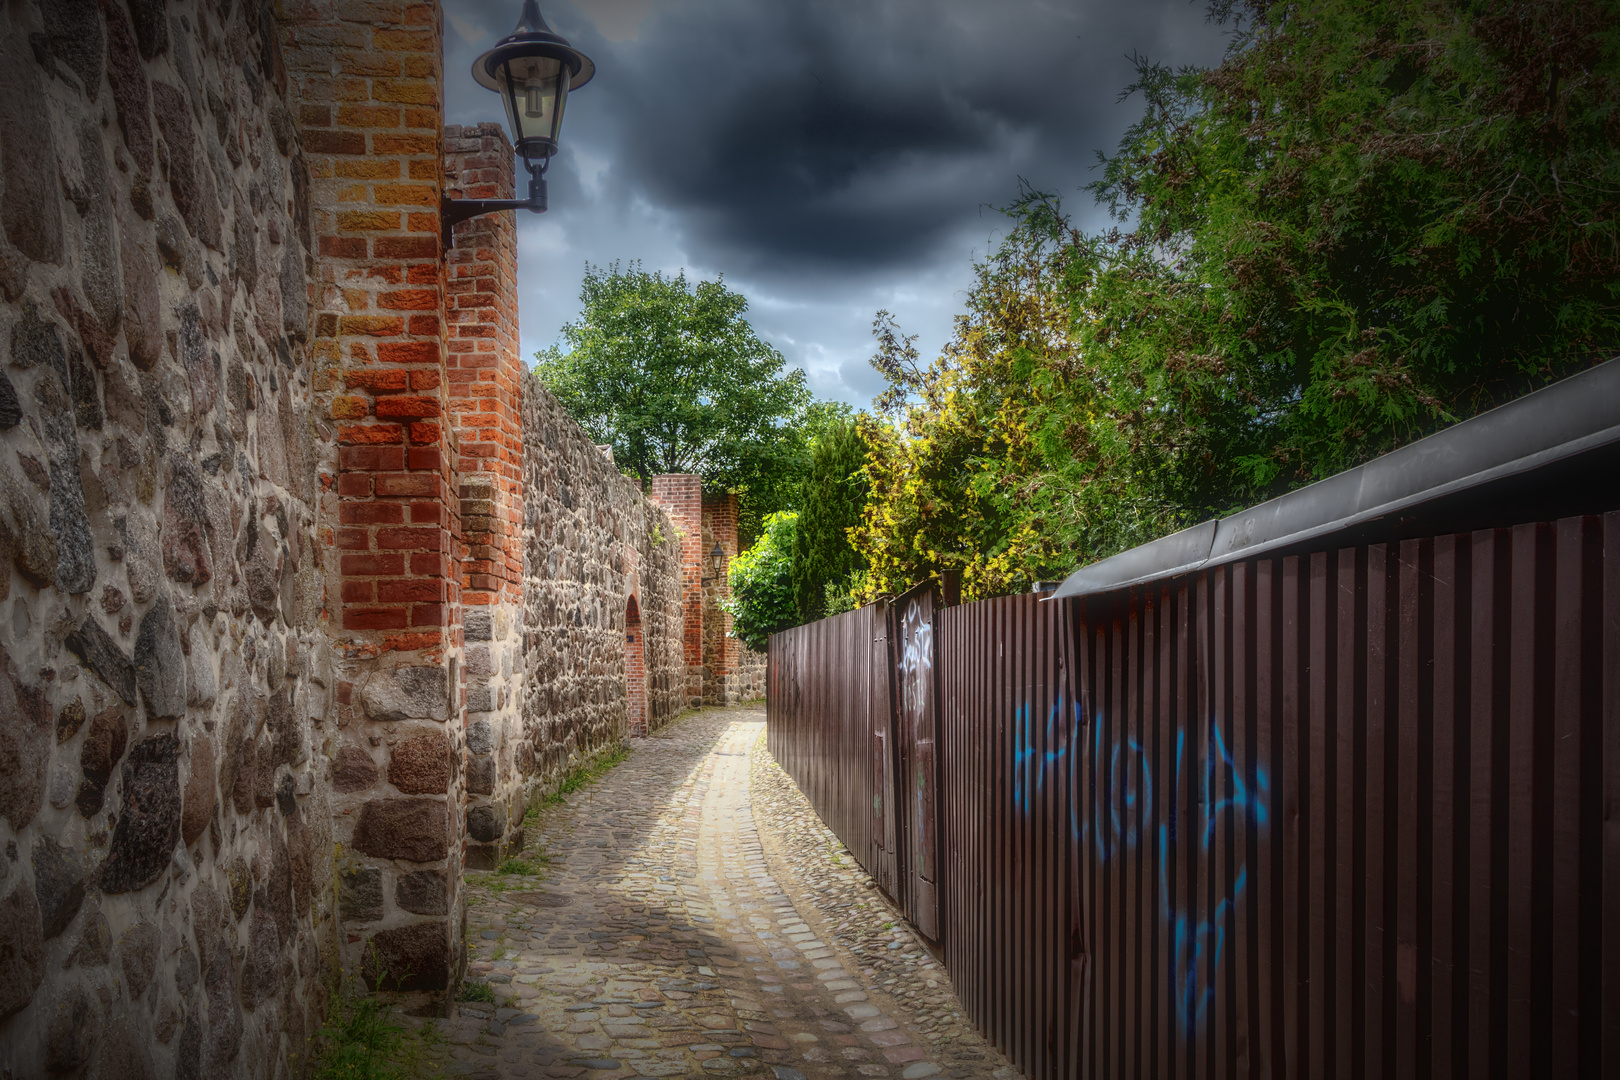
1189,940
1195,939
1030,765
1121,814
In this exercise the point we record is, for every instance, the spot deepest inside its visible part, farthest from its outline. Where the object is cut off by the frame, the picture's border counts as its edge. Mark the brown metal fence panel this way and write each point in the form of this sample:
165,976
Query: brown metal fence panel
822,684
1004,819
1347,814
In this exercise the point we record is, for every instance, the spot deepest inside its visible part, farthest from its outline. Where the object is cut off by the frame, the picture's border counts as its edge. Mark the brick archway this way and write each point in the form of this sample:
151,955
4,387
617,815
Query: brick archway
635,668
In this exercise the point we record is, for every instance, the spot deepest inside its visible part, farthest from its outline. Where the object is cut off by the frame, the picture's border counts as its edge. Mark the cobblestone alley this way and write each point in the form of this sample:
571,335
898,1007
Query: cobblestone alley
697,919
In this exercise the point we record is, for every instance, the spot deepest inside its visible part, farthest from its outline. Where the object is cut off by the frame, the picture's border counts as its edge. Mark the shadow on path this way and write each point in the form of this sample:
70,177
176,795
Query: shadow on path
659,941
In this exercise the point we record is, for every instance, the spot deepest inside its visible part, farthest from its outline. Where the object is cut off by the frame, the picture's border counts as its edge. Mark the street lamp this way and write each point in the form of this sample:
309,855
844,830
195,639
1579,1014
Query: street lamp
533,68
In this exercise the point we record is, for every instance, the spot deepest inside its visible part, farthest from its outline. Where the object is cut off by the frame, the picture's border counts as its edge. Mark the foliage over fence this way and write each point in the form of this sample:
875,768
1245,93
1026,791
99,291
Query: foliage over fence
1370,221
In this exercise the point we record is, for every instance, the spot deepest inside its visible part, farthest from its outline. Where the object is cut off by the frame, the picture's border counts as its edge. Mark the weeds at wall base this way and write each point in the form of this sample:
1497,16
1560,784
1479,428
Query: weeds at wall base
585,774
363,1039
514,872
591,769
477,991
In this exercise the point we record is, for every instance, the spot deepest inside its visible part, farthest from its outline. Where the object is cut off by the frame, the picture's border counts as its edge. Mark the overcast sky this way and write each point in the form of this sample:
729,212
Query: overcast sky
828,157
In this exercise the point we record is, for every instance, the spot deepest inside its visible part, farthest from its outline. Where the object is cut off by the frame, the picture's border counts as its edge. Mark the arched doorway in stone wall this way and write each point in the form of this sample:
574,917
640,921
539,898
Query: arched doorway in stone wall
635,668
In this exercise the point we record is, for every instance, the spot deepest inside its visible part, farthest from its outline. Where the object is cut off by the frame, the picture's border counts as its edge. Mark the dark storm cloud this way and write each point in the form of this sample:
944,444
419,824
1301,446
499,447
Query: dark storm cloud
860,135
829,157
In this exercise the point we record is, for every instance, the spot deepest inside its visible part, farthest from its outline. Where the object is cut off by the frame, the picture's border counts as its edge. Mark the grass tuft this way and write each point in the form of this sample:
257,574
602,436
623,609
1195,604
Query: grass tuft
526,864
523,866
578,777
471,991
362,1041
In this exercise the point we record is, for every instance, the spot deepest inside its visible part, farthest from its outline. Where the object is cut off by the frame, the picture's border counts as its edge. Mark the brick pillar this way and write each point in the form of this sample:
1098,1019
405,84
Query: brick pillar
681,495
721,651
484,371
483,380
366,80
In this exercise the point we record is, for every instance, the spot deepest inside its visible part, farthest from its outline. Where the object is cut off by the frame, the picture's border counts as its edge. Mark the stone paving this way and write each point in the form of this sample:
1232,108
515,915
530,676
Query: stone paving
696,919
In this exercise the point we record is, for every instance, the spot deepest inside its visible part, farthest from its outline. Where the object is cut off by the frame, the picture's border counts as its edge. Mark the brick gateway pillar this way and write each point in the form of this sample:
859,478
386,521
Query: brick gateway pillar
721,651
681,496
719,671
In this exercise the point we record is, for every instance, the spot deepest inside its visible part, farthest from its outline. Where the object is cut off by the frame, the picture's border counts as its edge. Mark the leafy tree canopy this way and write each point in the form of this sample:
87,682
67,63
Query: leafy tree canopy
761,580
1370,221
831,500
673,377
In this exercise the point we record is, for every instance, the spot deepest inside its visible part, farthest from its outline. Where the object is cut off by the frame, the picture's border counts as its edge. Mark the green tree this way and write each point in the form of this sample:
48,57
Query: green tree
761,580
1370,221
674,378
831,502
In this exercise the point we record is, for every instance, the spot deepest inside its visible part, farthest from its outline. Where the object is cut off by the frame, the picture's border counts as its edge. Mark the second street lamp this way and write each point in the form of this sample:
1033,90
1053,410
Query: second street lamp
533,68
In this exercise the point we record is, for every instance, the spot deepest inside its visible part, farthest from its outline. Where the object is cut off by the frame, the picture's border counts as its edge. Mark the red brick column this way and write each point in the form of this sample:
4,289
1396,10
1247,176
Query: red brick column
366,92
483,369
370,115
681,495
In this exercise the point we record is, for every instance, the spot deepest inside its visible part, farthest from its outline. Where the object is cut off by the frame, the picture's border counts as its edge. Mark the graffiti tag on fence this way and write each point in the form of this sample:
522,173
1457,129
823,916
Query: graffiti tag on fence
1113,811
916,677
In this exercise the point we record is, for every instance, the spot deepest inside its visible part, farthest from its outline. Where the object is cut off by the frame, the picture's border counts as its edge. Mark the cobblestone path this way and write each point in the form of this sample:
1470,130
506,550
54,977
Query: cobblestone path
696,919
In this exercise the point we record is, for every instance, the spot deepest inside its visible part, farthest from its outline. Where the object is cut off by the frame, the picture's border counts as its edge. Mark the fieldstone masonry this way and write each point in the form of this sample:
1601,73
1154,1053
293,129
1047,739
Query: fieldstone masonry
306,588
594,542
165,681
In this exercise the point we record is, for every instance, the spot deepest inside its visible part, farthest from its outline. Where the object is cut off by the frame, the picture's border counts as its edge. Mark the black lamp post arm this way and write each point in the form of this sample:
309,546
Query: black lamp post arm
453,210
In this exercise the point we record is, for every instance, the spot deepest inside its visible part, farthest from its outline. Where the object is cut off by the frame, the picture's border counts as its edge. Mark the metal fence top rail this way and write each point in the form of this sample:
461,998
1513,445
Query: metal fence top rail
1553,453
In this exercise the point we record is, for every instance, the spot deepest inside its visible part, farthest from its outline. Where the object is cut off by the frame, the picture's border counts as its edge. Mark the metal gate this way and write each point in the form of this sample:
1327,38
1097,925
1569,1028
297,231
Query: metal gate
917,723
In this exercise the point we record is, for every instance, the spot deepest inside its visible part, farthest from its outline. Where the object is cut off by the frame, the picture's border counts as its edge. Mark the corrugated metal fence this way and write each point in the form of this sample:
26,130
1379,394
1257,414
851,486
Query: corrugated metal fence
1354,813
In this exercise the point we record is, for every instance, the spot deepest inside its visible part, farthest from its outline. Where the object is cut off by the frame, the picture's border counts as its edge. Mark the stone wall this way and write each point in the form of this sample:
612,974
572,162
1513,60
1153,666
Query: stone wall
165,818
304,585
593,541
749,676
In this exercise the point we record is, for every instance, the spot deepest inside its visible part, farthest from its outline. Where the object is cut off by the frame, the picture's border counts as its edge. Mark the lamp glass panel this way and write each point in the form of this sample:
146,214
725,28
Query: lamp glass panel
535,89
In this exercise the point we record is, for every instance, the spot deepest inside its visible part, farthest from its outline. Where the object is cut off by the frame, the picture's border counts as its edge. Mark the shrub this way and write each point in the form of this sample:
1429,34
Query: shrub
761,579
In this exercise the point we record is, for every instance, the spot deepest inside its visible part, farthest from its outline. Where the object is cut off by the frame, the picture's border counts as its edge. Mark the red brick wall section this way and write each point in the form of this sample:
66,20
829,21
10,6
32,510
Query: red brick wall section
483,368
635,670
483,385
367,89
681,496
